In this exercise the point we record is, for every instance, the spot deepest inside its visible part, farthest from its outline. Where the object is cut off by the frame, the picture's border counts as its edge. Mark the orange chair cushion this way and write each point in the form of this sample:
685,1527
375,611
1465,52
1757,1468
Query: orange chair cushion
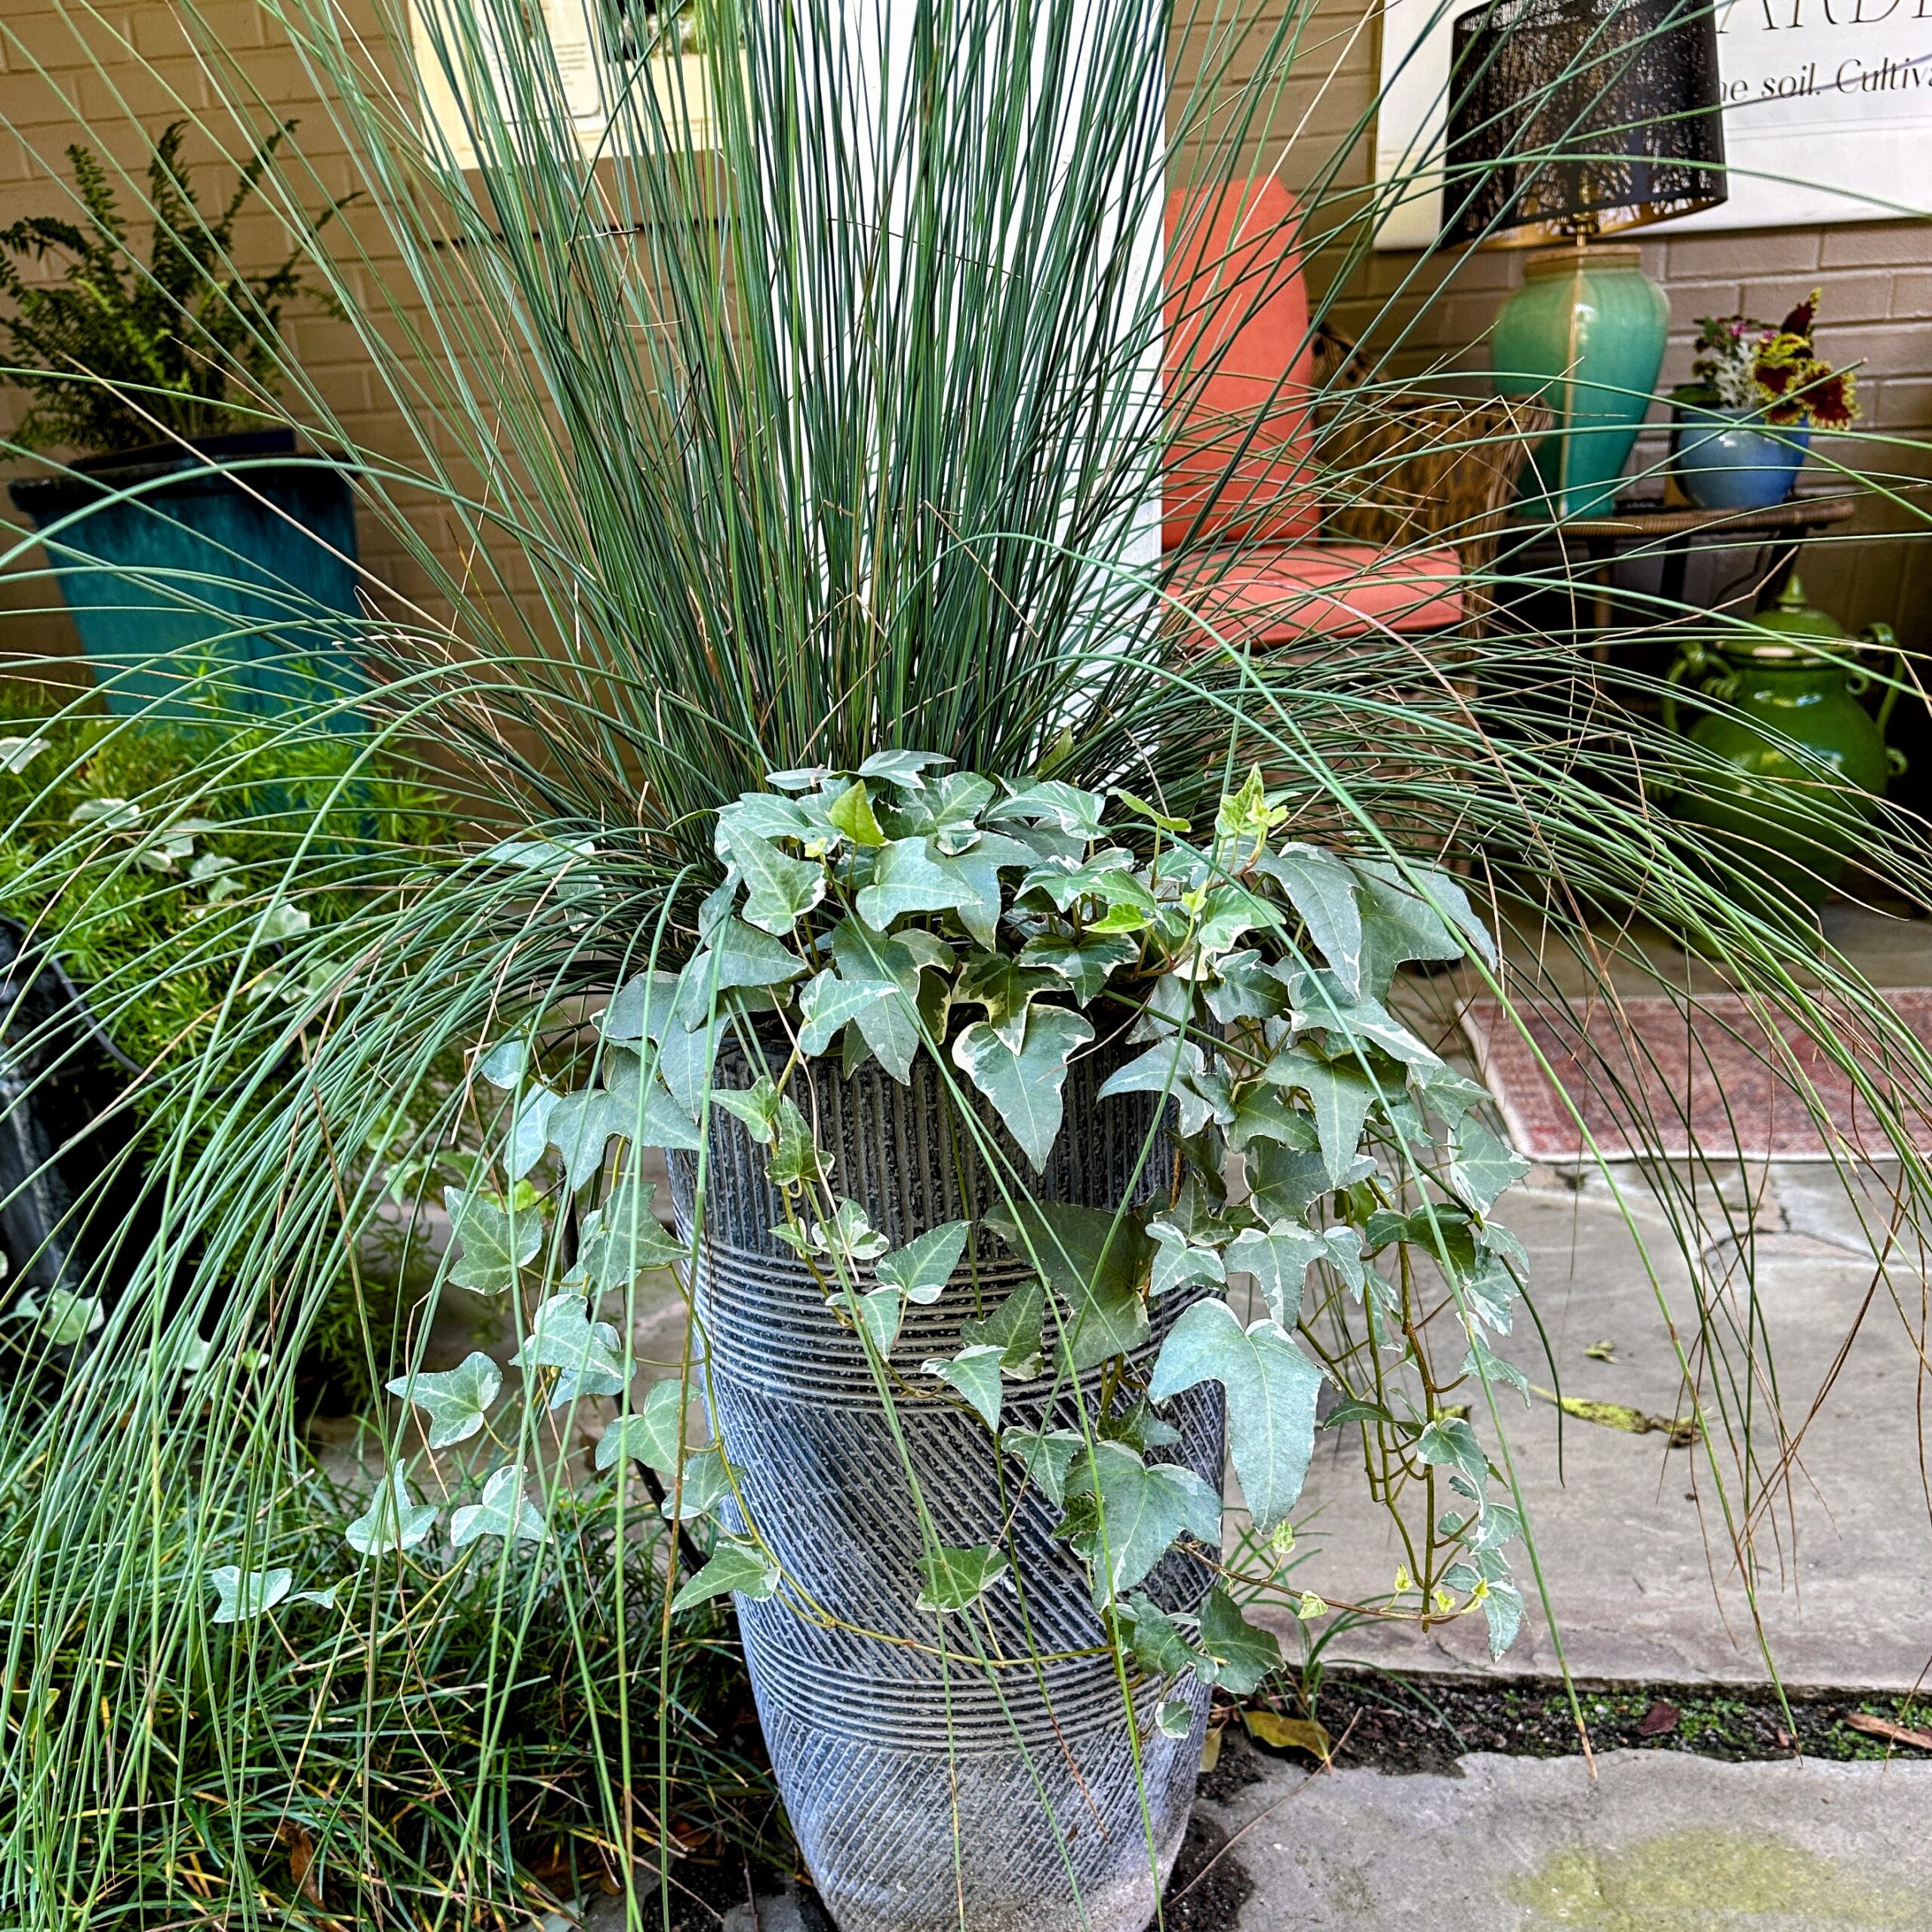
1291,592
1236,304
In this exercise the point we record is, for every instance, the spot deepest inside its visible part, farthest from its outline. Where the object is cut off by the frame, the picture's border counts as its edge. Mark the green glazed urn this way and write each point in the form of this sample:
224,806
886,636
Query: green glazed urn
1585,336
1802,764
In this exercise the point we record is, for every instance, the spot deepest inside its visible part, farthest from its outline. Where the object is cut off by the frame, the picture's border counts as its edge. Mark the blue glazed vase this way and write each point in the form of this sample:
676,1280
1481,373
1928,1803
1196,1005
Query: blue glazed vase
930,1794
1584,335
1732,460
210,583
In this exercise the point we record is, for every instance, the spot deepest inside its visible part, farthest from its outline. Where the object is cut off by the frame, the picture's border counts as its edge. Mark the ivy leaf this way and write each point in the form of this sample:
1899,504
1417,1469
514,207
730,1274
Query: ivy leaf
706,1488
1285,1182
878,1311
849,1233
1318,1006
1279,1258
828,1002
1174,1718
641,1008
920,1269
1245,987
649,1434
948,814
502,1065
1143,1509
974,1372
1243,1655
756,1106
976,873
1178,1263
1490,1291
1086,965
906,770
1065,805
66,1318
580,1126
1491,1369
739,955
1026,1087
1159,1645
530,1131
1006,989
1481,1168
1324,892
619,1240
778,889
391,1521
586,1353
741,1568
455,1401
494,1245
1044,1454
1016,1329
795,1161
852,813
1450,1441
241,1595
1271,1389
685,1056
1095,1261
505,1510
1341,1092
890,1024
906,878
951,1579
1170,1066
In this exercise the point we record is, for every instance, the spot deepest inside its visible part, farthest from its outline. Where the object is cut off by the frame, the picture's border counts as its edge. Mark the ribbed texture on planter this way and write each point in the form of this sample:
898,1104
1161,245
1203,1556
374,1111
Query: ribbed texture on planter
927,1797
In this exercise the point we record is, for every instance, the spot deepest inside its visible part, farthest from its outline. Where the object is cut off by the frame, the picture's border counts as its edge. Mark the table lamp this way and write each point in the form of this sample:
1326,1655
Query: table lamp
1569,120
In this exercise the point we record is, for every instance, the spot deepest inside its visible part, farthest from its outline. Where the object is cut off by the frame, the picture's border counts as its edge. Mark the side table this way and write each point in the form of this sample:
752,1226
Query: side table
1645,526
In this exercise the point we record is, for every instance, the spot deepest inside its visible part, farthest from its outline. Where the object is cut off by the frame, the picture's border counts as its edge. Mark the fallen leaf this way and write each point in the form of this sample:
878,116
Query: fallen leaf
301,1861
1785,1739
1601,1352
1682,1430
1210,1749
1280,1734
1896,1733
1660,1720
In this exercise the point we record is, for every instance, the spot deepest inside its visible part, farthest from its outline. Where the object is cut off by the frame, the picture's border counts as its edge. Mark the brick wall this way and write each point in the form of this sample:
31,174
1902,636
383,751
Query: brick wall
1877,278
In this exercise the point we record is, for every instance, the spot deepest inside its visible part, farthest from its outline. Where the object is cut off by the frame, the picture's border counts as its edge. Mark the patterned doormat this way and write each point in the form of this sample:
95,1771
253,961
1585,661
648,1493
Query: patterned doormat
1654,1074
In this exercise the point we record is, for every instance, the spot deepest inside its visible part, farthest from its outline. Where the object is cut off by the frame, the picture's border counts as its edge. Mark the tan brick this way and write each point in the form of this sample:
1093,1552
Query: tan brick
1867,244
1864,297
1756,252
1911,292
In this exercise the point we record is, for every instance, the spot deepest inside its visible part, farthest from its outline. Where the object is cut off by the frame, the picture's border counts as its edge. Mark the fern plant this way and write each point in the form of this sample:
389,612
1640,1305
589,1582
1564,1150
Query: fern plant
117,352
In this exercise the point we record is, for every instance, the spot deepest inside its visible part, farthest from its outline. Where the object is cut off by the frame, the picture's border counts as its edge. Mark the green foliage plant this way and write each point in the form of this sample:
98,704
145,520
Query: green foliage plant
903,909
119,352
715,465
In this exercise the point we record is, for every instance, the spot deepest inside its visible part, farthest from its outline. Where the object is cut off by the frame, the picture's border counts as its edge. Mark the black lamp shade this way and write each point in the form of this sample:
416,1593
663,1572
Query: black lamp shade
1570,117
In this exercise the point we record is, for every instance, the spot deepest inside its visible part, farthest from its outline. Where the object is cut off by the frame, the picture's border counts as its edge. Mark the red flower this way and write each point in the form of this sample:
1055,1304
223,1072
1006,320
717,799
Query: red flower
1799,322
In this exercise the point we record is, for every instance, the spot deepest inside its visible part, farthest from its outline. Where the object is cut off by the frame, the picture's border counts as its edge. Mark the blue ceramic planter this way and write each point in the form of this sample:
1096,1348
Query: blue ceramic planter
929,1796
1729,460
211,587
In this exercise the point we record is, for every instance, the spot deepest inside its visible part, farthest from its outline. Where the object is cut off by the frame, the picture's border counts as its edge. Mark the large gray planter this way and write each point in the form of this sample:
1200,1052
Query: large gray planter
928,1798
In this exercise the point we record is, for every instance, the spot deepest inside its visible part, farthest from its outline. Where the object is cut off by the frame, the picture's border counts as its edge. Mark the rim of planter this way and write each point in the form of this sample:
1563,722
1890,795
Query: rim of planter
89,479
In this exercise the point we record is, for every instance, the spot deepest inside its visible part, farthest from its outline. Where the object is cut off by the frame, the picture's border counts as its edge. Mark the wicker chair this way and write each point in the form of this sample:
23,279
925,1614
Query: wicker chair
1400,467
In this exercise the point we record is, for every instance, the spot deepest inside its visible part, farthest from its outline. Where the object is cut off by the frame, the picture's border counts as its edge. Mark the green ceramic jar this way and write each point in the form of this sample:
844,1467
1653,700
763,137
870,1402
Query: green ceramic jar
1804,764
1585,334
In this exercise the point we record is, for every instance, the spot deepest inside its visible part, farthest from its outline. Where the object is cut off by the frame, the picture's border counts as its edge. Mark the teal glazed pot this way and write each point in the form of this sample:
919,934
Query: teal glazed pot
1801,763
1585,336
1732,460
210,581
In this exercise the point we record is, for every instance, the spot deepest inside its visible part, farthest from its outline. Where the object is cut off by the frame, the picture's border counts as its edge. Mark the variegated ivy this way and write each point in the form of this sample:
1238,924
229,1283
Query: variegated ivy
1334,1174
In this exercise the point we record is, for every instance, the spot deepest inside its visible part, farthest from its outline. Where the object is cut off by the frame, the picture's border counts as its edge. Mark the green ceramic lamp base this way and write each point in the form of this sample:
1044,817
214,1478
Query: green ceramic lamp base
1585,336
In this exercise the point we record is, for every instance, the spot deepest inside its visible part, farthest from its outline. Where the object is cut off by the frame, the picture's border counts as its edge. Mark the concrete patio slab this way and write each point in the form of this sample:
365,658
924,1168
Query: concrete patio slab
1658,1842
1643,1571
